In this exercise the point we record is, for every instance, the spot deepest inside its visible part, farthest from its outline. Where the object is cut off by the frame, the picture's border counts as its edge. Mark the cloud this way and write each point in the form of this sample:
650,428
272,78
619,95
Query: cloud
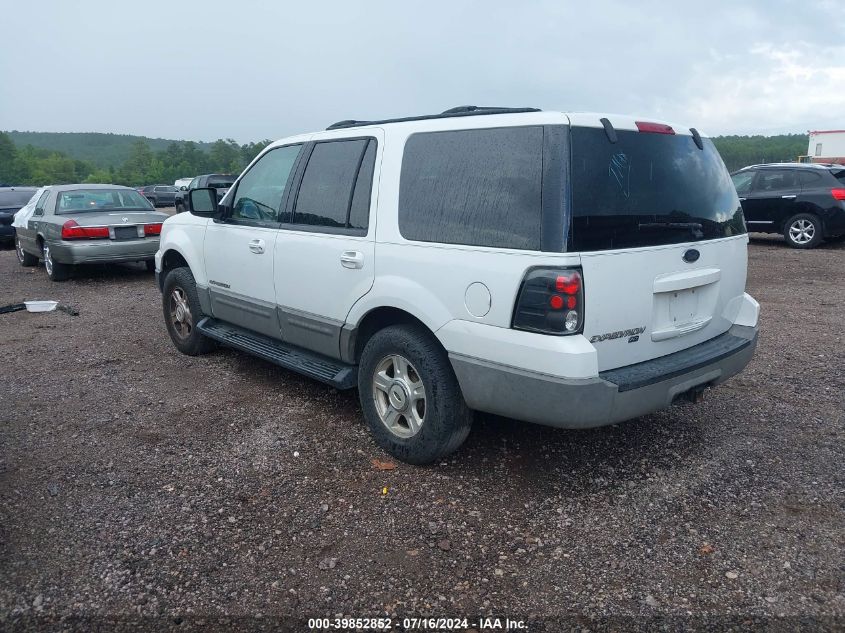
772,89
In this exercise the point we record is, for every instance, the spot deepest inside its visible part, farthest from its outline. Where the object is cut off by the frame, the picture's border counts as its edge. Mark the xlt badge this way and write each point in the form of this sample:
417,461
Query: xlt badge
633,333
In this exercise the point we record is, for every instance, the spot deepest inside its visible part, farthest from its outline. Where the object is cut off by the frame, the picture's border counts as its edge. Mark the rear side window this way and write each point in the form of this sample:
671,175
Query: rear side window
475,187
335,188
839,175
776,180
648,189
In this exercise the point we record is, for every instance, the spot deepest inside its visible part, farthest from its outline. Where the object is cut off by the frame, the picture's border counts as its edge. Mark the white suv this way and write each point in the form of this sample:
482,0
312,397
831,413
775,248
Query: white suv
573,270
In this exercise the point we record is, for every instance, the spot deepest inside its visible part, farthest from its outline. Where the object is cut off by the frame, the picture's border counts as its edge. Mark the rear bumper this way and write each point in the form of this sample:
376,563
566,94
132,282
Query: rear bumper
7,232
105,251
613,396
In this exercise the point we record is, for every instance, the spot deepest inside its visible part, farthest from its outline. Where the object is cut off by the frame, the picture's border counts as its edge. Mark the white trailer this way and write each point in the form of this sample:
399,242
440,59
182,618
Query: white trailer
827,146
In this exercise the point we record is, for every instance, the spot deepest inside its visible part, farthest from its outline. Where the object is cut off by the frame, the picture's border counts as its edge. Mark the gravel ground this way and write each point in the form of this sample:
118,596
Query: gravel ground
147,489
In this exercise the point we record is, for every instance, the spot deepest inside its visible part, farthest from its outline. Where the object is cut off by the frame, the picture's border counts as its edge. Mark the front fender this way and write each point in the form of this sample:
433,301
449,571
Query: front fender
185,234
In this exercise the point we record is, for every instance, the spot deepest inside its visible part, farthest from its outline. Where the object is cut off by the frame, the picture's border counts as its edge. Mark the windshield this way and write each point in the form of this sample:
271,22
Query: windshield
15,199
92,200
648,189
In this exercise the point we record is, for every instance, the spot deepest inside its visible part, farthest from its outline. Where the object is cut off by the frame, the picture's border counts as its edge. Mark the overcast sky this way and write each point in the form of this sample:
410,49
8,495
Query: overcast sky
254,70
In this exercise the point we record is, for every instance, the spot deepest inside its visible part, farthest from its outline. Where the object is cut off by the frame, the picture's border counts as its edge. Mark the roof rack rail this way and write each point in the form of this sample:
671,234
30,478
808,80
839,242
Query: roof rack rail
460,111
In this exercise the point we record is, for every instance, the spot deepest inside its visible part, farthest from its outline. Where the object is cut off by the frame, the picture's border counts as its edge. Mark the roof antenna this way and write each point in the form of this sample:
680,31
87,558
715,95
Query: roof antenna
697,138
608,129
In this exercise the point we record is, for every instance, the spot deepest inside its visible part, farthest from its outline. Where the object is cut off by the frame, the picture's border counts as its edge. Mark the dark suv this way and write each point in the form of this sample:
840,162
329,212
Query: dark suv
219,182
804,202
159,195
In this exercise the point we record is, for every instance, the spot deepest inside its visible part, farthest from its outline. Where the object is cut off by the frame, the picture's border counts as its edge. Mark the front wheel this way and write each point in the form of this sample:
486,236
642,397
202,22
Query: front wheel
24,258
182,312
56,271
803,230
410,396
180,207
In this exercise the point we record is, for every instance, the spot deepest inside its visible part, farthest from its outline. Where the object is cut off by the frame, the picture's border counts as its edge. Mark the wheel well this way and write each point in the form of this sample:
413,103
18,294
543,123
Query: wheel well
170,261
807,208
379,319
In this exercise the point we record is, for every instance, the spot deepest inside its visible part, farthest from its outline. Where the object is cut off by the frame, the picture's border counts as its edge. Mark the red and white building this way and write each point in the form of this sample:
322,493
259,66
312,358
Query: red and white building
827,146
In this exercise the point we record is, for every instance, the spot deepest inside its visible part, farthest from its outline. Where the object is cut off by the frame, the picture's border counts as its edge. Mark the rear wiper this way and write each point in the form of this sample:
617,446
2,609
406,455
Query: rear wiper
694,227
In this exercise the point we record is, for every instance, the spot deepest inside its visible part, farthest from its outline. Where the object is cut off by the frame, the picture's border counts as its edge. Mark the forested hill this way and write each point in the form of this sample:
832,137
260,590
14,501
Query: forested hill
739,151
101,150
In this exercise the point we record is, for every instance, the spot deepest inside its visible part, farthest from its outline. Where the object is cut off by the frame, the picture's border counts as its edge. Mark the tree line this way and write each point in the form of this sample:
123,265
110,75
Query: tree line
30,165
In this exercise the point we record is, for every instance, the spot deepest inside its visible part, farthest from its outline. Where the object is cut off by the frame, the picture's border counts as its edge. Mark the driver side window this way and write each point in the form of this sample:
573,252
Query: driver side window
261,190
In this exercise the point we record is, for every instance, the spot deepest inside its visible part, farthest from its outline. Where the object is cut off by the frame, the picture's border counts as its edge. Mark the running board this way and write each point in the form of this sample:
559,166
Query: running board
328,370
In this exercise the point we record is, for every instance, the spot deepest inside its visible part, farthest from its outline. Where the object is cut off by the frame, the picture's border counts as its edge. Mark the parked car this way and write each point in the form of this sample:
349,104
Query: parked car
219,182
182,182
160,195
89,224
804,202
12,199
573,270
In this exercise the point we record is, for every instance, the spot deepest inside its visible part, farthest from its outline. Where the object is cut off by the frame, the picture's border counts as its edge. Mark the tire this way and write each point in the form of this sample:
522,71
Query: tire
803,230
180,289
151,265
180,208
152,202
56,271
423,432
24,258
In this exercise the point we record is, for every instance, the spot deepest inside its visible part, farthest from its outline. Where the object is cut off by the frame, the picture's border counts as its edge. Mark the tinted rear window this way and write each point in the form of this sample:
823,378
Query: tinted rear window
15,199
475,187
648,189
221,183
839,175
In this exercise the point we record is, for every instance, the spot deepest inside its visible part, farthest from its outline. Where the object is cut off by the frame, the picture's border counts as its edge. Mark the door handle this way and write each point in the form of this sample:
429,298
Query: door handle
352,259
742,199
256,246
789,197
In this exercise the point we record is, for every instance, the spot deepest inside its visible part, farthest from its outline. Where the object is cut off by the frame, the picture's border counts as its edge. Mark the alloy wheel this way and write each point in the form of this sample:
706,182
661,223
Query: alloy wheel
180,313
399,395
802,231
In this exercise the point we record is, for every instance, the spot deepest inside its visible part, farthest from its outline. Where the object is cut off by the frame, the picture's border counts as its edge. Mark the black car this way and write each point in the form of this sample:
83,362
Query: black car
220,182
11,201
159,195
805,202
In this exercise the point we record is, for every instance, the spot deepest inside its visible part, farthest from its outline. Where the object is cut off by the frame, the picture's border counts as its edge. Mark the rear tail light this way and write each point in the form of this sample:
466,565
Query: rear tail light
550,301
654,128
152,229
838,194
72,231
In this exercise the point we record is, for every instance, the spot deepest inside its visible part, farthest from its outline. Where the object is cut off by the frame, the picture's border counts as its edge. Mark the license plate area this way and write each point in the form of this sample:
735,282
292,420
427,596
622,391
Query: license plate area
125,233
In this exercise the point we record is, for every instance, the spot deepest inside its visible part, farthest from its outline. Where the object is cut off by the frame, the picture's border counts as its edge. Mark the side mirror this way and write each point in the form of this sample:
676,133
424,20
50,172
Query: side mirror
203,202
183,188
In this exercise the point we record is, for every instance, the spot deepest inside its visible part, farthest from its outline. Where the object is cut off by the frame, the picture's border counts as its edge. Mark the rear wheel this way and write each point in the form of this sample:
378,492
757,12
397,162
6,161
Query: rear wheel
24,258
410,396
182,312
56,271
803,230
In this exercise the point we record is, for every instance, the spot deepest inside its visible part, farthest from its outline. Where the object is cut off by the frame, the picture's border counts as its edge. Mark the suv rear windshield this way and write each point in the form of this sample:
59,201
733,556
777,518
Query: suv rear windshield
15,199
221,182
648,189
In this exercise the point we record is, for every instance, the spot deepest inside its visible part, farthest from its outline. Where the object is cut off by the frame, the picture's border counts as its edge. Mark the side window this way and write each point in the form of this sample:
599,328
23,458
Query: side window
776,180
39,206
742,181
810,178
335,189
194,183
818,149
261,189
475,187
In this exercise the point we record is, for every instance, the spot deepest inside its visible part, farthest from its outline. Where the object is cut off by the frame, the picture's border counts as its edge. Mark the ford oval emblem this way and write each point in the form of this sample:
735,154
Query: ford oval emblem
691,256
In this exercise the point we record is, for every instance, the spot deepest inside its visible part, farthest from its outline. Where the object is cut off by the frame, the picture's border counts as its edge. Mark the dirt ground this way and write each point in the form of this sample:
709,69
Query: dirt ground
147,489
